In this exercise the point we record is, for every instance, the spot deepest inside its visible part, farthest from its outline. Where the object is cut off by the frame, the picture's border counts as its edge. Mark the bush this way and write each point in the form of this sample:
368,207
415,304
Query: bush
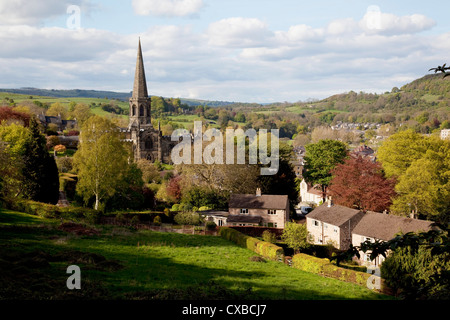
266,249
188,218
157,221
269,236
135,220
420,274
211,225
120,218
92,216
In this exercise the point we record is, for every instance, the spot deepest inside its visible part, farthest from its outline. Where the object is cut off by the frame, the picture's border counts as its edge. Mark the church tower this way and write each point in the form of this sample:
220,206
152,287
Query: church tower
140,103
148,142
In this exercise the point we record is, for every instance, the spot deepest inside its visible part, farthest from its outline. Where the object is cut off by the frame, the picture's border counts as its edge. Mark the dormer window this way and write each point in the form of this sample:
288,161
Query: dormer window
244,211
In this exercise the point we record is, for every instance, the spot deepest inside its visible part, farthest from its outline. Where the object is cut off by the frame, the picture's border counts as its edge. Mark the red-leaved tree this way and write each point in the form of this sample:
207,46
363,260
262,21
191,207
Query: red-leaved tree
360,183
7,113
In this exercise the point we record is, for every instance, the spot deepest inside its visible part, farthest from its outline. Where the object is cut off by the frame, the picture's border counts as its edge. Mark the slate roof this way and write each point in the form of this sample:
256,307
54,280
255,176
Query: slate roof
386,226
251,201
336,215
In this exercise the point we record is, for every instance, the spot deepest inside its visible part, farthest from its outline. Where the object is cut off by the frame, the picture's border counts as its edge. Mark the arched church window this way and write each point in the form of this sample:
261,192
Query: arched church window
141,110
133,110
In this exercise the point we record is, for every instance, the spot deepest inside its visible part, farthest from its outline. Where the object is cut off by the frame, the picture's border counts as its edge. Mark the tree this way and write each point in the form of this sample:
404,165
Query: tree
425,187
417,265
40,173
320,159
295,235
284,181
150,172
14,136
401,149
360,183
8,114
101,159
81,112
57,109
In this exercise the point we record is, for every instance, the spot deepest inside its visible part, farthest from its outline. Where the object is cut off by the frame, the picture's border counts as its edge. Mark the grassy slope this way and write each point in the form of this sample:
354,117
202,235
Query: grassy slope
157,265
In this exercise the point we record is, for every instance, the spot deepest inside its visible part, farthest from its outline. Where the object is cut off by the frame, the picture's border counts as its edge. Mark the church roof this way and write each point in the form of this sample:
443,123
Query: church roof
140,84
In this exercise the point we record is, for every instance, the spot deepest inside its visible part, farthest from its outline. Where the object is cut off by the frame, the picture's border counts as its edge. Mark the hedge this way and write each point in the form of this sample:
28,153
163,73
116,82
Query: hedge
265,249
46,210
325,268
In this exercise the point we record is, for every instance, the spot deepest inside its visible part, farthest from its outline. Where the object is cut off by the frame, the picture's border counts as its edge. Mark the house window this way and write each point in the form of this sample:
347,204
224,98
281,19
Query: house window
272,212
316,223
244,211
335,229
220,223
275,225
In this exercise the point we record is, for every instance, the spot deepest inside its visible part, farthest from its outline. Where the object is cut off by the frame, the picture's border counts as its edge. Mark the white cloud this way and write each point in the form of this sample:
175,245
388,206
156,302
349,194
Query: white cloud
24,12
238,32
234,59
178,8
387,23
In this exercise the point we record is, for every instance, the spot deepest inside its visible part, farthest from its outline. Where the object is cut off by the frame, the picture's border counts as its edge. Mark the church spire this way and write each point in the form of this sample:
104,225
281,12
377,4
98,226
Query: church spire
140,84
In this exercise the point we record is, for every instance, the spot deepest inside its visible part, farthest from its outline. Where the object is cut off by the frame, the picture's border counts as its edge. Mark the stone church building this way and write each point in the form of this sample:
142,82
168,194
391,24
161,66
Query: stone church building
148,142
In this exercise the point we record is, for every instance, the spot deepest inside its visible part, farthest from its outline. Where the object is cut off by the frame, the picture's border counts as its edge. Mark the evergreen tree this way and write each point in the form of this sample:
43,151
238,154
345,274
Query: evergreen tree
40,173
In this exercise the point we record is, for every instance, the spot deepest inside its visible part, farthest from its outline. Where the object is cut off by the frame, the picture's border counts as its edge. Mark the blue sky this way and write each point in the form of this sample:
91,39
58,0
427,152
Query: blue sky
246,50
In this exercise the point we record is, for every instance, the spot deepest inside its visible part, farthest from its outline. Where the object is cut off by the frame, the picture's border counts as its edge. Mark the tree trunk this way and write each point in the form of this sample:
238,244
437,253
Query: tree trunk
96,202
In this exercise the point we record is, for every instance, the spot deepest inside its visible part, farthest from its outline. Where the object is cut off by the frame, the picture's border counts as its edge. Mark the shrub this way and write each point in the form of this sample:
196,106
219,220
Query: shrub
269,236
135,220
266,249
92,216
211,225
157,221
120,218
187,218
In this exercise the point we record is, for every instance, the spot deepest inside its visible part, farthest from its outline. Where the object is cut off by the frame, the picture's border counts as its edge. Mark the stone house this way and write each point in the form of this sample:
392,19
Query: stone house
380,226
252,210
342,226
265,210
332,224
310,194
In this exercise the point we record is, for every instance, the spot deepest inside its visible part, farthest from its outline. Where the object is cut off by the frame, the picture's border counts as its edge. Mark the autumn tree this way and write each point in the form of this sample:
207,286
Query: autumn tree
320,159
9,115
360,183
101,159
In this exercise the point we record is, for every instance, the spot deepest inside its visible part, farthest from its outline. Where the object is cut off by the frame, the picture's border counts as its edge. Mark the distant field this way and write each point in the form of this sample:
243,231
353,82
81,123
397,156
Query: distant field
18,98
126,264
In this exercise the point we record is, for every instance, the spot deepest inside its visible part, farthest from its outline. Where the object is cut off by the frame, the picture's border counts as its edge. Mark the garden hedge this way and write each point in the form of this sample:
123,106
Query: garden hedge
265,249
325,268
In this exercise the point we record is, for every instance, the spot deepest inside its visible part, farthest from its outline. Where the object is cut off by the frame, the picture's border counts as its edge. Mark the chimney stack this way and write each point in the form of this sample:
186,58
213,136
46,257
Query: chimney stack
329,201
258,192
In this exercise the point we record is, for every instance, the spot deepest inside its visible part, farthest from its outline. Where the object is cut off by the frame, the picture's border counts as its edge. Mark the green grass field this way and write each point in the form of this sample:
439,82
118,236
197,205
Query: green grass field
121,263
